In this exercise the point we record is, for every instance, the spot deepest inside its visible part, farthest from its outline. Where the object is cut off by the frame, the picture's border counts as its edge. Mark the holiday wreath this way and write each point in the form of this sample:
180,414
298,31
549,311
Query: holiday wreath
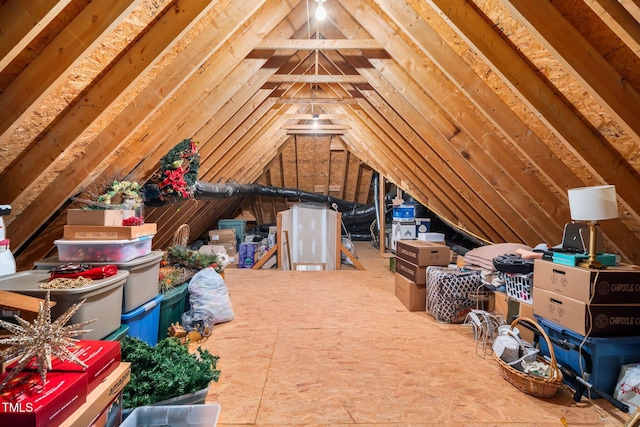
179,170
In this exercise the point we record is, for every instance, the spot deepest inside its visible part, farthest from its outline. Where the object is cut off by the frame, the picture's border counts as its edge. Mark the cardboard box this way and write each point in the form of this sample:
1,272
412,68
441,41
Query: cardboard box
412,296
584,319
108,217
615,285
423,253
26,402
101,398
402,231
98,232
223,235
110,416
212,249
101,358
411,271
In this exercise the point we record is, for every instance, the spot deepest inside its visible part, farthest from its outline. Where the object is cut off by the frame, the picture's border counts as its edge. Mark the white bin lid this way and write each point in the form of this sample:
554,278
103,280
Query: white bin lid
52,262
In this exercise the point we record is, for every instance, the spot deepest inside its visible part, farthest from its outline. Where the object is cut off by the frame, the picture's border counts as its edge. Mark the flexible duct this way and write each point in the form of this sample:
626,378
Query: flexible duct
351,212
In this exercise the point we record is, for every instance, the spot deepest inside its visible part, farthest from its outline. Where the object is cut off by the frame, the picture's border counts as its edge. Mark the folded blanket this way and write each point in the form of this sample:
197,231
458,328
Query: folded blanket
482,257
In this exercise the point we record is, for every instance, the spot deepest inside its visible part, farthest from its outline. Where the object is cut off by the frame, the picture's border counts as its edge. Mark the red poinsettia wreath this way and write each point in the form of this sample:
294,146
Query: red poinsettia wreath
179,170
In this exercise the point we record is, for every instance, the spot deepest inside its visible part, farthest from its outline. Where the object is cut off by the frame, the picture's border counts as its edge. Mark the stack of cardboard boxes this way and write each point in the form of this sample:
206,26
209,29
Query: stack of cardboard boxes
222,241
412,259
88,224
603,303
592,318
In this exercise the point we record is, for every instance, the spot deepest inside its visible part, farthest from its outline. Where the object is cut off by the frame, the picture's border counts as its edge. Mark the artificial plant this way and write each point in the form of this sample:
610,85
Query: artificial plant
165,371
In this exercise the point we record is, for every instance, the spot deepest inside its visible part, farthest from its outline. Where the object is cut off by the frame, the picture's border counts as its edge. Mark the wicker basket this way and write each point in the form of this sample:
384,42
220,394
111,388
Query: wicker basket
532,384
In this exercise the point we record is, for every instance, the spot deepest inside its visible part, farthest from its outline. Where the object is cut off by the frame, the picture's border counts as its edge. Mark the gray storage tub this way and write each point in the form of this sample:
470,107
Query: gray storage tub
103,299
141,285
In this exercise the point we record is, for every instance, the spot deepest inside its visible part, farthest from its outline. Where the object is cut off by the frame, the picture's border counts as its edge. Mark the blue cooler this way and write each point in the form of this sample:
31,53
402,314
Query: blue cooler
605,355
144,321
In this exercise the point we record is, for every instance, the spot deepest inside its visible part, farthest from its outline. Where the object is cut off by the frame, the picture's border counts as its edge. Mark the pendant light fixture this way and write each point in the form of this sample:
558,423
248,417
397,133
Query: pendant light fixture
321,12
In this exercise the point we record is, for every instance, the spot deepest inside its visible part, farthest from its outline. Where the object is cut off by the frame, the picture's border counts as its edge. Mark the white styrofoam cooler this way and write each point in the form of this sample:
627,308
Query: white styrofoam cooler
103,299
141,285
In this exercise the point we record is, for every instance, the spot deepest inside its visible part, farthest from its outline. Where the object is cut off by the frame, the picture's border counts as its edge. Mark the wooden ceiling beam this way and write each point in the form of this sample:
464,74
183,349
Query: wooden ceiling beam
323,116
194,109
361,141
49,162
316,78
486,100
38,166
108,153
115,143
633,7
227,137
314,131
318,44
171,126
21,21
444,139
581,60
316,101
67,51
467,189
621,22
476,145
596,157
314,126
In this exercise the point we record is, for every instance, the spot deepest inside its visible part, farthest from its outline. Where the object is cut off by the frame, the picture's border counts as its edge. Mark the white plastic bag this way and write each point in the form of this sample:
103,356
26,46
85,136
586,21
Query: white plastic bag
209,300
628,387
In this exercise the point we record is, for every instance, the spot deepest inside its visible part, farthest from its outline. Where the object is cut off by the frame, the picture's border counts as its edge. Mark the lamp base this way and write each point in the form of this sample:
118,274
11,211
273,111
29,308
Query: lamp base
592,265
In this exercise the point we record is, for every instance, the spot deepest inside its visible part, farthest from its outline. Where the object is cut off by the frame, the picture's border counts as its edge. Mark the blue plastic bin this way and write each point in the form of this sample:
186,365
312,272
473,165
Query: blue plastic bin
144,321
607,354
404,213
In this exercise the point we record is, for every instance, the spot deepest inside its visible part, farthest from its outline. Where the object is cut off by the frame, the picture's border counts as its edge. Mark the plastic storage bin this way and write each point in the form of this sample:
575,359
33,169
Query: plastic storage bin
103,299
143,321
103,250
171,308
606,355
118,334
175,416
141,285
519,286
404,213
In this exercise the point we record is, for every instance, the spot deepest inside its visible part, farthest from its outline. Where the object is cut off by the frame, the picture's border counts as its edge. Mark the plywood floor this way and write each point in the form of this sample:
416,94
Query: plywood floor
337,348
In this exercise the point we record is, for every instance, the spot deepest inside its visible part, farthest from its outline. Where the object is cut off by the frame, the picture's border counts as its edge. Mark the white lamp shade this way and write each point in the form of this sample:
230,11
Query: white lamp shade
593,203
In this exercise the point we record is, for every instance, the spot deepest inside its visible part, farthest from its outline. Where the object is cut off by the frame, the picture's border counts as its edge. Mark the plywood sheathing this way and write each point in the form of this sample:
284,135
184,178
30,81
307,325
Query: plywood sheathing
64,138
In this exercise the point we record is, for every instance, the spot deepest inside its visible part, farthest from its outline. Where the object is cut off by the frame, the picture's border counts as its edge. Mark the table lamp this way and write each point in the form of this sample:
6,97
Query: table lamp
593,204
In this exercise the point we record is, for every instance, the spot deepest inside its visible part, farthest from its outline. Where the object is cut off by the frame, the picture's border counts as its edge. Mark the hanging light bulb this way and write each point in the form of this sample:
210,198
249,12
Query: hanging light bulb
321,12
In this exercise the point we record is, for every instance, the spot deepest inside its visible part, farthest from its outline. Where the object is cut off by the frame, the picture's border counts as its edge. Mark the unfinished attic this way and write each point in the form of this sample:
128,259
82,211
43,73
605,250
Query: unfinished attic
485,114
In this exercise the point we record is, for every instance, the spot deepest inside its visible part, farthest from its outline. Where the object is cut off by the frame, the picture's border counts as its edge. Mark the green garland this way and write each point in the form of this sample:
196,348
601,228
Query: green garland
165,371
